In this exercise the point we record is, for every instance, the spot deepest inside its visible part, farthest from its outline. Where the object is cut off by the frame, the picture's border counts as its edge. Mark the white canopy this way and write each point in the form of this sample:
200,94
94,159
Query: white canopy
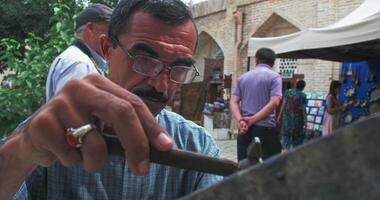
355,37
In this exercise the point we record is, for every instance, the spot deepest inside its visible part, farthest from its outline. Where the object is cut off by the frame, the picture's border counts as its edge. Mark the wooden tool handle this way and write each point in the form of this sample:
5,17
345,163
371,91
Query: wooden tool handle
180,159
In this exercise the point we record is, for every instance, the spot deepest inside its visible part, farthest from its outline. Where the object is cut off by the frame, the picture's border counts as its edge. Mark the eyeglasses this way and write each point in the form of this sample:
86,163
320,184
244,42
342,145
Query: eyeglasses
152,67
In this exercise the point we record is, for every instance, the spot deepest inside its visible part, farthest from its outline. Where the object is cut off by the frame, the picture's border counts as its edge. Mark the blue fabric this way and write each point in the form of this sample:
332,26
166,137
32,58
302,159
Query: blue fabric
116,181
255,89
71,64
293,119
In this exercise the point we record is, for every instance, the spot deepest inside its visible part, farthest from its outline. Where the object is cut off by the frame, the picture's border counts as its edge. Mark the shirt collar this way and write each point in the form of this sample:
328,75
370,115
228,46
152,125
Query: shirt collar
98,59
264,65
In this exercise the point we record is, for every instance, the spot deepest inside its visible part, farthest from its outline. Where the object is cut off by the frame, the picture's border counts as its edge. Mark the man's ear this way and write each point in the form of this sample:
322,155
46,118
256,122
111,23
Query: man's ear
89,30
106,47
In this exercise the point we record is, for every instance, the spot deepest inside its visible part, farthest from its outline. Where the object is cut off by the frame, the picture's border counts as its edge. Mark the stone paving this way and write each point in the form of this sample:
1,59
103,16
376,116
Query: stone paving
228,149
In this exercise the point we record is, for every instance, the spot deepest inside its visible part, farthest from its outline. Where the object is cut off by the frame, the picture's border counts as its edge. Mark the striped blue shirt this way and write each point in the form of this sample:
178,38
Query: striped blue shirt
115,180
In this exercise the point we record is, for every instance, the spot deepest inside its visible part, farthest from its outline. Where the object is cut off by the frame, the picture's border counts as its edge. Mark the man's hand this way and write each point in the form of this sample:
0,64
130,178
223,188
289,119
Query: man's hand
87,101
250,120
243,127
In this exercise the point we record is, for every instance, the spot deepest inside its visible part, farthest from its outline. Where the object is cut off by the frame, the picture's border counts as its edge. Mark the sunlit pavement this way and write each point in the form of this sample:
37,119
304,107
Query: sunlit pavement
228,149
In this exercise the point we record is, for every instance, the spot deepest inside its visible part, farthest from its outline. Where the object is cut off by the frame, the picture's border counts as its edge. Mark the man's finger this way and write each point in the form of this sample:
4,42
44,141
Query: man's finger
118,114
156,134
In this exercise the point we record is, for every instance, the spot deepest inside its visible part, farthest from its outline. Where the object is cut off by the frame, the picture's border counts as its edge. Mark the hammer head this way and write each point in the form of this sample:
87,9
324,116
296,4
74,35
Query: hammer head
254,153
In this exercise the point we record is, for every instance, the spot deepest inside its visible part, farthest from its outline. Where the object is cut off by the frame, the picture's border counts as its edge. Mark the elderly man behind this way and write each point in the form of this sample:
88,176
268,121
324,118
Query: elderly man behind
149,50
85,55
254,102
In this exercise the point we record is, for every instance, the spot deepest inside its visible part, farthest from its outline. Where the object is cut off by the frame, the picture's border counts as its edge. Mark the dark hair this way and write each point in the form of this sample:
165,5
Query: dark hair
333,86
300,84
266,56
170,11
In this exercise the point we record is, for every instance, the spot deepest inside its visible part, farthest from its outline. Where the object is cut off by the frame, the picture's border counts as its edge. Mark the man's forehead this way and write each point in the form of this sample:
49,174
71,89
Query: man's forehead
143,24
167,40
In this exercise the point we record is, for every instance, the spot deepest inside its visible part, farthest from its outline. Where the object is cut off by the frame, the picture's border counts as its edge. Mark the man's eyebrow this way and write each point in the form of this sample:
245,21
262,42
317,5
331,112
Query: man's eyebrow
142,47
145,48
184,61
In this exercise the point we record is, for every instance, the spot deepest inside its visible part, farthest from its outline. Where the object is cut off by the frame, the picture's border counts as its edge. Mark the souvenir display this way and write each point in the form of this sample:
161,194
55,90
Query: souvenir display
317,103
349,92
364,104
318,119
310,118
342,76
349,102
347,118
362,93
309,125
315,109
356,103
321,111
349,71
310,103
355,76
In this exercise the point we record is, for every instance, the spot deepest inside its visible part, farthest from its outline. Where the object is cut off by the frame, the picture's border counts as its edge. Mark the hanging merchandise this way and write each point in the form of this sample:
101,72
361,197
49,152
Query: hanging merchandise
347,117
349,92
342,76
355,75
349,71
315,109
362,92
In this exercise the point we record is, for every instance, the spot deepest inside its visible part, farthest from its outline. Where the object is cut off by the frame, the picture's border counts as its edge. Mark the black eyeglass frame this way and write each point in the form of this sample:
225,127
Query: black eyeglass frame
132,56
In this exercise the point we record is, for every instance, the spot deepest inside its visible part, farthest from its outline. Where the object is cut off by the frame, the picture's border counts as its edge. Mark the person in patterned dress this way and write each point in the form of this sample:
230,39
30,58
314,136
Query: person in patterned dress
293,115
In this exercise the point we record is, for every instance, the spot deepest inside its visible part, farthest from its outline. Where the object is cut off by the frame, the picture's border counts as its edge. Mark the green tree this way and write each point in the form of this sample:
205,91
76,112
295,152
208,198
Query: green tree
20,17
33,34
29,61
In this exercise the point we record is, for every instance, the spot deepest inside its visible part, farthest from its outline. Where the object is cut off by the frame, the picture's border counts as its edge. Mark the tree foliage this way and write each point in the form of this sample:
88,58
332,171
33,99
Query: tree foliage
20,17
33,33
29,62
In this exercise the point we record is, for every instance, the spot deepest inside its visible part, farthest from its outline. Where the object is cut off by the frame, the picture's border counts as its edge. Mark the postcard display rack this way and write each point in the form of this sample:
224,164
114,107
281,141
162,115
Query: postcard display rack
360,90
315,109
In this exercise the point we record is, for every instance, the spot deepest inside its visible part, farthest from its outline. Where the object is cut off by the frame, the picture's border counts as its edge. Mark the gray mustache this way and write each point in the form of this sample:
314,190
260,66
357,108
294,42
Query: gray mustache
151,94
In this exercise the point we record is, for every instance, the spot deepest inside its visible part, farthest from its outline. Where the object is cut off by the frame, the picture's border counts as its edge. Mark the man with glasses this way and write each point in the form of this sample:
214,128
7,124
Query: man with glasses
149,49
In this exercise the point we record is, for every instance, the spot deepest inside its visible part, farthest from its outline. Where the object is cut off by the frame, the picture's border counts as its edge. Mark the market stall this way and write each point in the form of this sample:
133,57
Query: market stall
354,41
356,37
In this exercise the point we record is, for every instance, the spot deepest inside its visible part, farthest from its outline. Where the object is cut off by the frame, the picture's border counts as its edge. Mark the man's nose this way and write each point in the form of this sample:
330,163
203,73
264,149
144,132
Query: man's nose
161,81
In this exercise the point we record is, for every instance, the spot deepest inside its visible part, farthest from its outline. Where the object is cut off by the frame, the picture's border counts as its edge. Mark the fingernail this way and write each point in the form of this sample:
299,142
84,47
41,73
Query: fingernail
143,167
164,140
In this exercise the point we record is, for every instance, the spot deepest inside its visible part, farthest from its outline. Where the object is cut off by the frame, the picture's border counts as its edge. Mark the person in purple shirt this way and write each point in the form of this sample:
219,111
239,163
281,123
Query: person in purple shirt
253,103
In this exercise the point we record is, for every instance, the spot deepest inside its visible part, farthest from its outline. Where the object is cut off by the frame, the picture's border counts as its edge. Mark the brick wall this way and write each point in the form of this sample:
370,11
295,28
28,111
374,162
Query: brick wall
215,17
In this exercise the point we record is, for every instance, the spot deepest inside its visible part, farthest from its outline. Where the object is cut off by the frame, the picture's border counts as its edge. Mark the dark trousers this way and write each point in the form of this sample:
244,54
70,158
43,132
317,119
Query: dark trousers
269,137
